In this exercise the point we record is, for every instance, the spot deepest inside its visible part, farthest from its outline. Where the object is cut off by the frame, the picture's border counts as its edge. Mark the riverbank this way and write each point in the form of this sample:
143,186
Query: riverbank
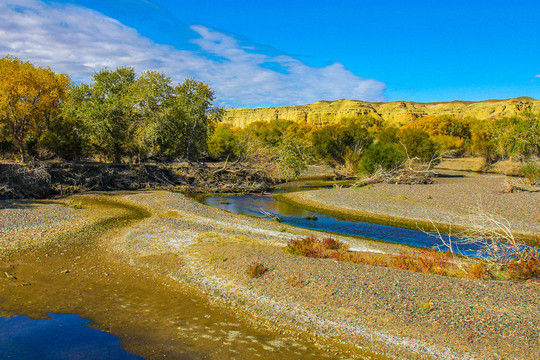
455,198
343,310
47,179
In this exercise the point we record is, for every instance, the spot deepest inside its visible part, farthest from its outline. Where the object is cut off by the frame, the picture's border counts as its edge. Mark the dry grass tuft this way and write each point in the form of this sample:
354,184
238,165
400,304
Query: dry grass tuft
477,270
296,281
256,270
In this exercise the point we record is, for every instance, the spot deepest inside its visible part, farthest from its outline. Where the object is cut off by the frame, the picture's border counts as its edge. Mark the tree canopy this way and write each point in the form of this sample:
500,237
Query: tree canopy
121,114
30,99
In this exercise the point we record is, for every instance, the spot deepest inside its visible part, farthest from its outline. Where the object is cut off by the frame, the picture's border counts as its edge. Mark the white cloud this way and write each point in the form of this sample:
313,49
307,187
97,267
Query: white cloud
537,76
80,41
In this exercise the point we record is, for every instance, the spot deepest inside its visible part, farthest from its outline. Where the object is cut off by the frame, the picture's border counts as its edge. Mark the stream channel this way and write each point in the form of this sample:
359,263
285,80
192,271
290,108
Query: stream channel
260,205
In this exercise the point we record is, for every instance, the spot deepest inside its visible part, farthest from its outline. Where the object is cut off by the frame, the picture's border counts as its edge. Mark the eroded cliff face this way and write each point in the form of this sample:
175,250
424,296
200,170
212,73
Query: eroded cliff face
398,112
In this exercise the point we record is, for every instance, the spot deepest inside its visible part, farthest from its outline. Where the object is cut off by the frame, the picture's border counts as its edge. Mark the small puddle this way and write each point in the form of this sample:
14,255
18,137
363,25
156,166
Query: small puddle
63,336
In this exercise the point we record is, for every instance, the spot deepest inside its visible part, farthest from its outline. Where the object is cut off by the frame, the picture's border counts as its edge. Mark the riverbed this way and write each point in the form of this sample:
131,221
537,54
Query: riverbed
152,280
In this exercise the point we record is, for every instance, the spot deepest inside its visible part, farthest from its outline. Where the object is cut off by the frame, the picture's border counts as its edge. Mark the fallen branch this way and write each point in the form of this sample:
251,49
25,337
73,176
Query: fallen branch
270,215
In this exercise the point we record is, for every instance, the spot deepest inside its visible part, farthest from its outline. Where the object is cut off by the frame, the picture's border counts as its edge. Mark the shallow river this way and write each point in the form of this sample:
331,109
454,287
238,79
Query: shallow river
261,205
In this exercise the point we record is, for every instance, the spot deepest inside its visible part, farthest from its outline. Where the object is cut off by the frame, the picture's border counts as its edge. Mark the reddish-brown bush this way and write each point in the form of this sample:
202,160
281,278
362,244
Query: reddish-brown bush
423,260
311,246
478,270
527,267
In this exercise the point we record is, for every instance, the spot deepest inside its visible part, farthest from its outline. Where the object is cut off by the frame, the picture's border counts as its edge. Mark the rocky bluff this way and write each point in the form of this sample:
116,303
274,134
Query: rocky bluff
397,112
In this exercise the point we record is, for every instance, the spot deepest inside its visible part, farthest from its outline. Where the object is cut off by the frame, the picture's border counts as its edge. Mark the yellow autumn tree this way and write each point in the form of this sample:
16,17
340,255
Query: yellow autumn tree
30,98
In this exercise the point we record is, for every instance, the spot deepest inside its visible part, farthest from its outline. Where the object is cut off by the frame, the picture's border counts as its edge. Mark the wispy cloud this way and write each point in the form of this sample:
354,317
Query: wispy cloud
537,76
79,41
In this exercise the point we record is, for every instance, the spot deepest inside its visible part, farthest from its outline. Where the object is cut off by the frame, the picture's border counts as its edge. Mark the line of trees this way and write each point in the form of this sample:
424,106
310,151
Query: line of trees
118,115
122,115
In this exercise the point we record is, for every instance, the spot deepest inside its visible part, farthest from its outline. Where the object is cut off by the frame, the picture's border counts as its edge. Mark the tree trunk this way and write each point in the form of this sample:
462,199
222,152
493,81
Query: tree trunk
117,153
117,157
22,151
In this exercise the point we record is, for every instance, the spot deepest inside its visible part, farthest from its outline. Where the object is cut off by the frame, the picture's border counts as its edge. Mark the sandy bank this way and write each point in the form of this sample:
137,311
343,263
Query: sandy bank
450,200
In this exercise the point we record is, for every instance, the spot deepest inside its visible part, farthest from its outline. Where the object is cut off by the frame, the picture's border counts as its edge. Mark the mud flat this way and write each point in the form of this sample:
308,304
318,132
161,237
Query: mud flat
132,278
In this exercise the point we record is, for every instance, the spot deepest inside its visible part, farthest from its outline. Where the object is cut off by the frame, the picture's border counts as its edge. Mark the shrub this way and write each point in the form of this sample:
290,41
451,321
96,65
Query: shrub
313,247
255,270
531,171
424,261
425,306
383,155
418,144
527,267
75,205
368,259
478,270
296,281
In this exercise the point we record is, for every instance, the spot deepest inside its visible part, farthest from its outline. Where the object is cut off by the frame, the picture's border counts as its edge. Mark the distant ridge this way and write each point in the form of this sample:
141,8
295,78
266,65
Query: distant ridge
397,112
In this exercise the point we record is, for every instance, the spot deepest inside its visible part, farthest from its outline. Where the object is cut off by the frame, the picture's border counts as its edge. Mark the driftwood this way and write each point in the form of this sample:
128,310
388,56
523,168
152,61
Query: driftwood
399,176
517,185
270,215
46,180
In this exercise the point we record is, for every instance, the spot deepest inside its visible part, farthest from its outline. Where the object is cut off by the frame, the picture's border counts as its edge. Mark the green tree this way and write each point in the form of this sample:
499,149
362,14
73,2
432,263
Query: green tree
358,135
294,155
515,136
342,141
329,142
192,106
106,111
270,132
223,142
152,91
388,134
62,137
417,144
384,155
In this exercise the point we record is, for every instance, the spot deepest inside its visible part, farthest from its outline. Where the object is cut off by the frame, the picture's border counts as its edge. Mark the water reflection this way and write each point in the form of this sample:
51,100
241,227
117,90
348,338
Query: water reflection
64,336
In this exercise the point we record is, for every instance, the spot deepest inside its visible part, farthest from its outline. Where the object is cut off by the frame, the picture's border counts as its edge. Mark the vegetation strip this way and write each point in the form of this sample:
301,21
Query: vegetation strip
525,265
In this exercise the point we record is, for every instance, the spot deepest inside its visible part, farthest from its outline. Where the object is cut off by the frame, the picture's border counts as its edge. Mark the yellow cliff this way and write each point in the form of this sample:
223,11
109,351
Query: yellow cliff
397,112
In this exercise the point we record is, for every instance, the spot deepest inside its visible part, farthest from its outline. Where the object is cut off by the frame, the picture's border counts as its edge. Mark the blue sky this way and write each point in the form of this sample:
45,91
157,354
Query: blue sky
260,53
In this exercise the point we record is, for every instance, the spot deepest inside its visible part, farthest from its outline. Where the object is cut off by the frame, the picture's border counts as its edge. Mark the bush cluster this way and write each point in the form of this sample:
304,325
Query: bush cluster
422,260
